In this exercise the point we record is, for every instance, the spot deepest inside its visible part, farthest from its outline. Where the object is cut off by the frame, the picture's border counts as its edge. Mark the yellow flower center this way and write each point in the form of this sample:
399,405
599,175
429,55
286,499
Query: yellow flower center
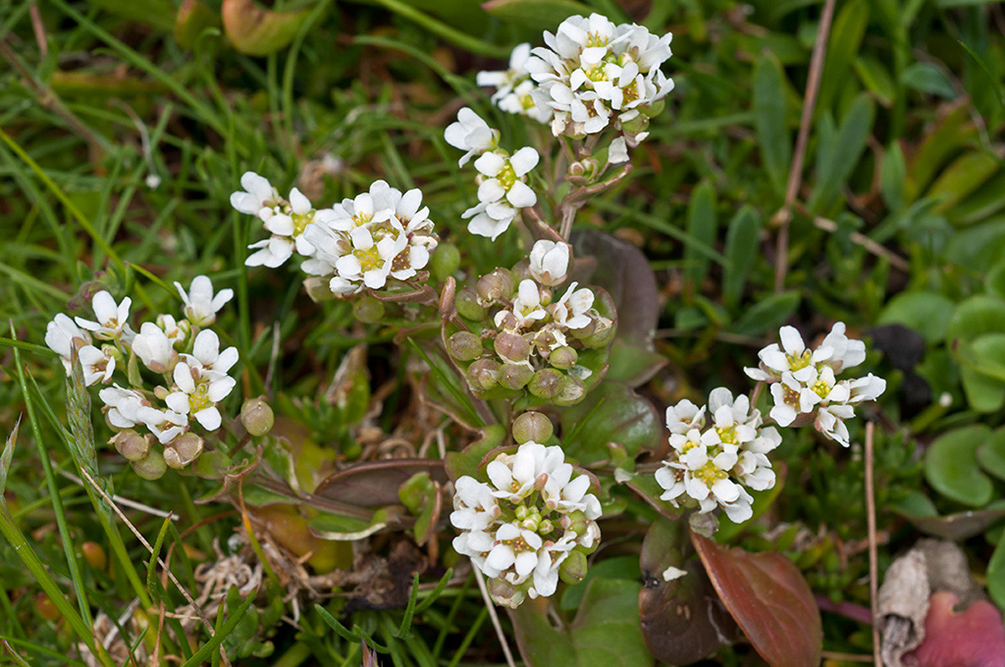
597,73
199,399
506,176
710,474
798,361
301,220
727,434
821,388
595,39
369,259
362,218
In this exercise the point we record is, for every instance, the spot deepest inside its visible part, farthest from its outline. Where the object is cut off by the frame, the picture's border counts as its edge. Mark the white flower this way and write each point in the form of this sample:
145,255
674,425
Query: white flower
685,416
201,305
527,307
573,309
472,134
549,262
490,219
523,525
272,252
112,318
618,151
370,260
197,391
505,177
97,365
154,348
206,352
514,87
845,352
61,335
127,407
258,195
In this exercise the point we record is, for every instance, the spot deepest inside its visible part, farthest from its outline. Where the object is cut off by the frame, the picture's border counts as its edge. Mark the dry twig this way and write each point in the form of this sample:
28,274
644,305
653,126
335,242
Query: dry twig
870,503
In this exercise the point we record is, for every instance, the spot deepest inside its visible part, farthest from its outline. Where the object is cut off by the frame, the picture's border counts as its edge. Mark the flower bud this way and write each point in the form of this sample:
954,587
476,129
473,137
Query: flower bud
512,347
256,416
570,391
515,376
467,305
545,527
368,309
495,286
132,445
465,346
483,374
94,555
545,383
563,358
445,260
152,467
532,427
574,567
183,450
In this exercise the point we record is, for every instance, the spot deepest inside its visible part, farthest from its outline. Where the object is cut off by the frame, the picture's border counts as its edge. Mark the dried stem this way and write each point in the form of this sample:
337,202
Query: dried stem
784,216
494,616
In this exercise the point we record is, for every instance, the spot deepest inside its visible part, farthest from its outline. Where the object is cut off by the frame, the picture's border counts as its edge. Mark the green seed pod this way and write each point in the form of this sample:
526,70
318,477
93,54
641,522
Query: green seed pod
483,374
570,391
532,427
495,286
654,109
515,376
318,288
183,450
368,310
563,358
445,261
574,567
152,467
256,416
545,383
506,594
512,347
467,305
602,336
465,346
132,445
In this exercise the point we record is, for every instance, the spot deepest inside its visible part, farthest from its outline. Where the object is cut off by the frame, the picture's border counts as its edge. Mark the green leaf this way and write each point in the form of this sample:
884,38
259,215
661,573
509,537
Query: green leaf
767,314
845,40
951,466
467,462
536,15
836,162
876,79
742,251
991,454
769,121
156,13
683,620
346,529
965,175
976,316
893,178
996,574
927,313
769,599
258,32
620,567
955,131
606,630
982,371
702,224
928,78
611,413
7,456
978,248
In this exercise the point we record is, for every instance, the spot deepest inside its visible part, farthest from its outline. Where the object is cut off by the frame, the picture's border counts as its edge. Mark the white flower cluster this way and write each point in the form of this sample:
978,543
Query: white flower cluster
502,178
514,87
804,382
362,242
185,355
285,219
713,460
594,74
532,517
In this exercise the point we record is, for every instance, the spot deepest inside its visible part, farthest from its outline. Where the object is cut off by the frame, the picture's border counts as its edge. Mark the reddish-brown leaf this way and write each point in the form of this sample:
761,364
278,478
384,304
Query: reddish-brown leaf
973,638
769,599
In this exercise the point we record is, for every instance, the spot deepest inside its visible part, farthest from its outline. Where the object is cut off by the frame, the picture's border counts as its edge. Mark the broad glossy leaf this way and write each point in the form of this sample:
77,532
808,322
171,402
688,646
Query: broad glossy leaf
625,568
650,491
994,282
762,501
991,454
996,573
977,248
769,121
956,527
606,630
951,466
289,529
346,529
982,370
971,638
610,413
623,272
769,599
927,313
742,251
983,202
376,483
977,315
536,14
683,620
192,18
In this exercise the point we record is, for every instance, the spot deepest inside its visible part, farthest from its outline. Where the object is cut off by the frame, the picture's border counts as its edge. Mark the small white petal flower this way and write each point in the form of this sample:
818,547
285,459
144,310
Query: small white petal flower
549,262
572,311
97,365
258,194
154,348
62,334
112,318
472,134
201,305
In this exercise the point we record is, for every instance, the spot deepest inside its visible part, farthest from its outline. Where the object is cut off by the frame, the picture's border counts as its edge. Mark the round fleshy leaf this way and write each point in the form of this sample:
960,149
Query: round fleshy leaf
976,316
982,370
991,454
925,312
951,466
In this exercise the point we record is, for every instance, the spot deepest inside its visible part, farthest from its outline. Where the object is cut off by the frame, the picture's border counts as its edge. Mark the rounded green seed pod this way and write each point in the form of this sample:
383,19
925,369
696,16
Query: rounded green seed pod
512,347
515,376
132,445
183,450
465,346
445,260
545,383
532,427
495,286
257,417
484,374
573,568
368,309
152,467
570,391
468,306
563,358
